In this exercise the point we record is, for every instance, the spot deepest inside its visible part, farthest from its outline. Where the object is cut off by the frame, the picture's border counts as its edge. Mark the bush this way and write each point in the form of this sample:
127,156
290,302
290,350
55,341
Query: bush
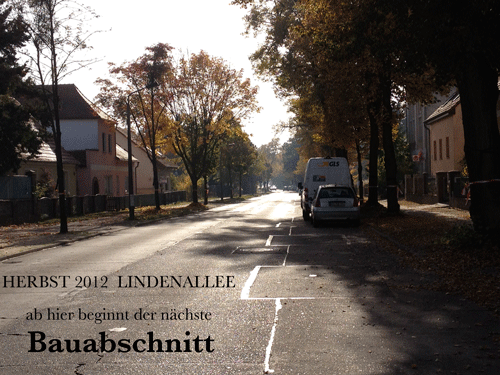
463,236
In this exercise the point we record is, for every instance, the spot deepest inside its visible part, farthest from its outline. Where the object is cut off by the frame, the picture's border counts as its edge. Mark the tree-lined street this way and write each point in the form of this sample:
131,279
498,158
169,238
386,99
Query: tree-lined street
326,300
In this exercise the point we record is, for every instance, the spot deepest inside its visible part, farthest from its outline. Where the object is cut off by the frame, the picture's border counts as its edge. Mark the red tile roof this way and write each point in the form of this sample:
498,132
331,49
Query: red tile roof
74,105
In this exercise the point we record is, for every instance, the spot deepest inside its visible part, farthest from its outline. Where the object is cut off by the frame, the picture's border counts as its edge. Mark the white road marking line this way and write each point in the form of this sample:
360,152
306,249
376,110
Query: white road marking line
286,256
347,240
245,292
269,240
267,370
291,298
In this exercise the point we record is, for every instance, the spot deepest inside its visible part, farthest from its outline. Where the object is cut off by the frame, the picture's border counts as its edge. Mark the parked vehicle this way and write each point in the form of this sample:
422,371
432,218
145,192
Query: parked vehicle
322,171
334,202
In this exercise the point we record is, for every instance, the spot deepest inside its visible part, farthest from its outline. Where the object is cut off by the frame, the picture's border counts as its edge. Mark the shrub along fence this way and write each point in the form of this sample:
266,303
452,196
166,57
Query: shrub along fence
18,211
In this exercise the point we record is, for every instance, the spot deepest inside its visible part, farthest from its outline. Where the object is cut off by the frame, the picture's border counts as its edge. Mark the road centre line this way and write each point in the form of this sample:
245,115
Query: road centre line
267,370
245,292
269,240
286,256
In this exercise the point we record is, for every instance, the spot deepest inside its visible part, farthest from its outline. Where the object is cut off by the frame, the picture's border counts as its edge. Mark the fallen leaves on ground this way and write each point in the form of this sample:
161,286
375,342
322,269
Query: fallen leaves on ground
447,247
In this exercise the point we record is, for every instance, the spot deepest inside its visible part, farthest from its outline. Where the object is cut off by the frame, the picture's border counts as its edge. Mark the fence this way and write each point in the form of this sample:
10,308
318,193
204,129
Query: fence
446,187
18,211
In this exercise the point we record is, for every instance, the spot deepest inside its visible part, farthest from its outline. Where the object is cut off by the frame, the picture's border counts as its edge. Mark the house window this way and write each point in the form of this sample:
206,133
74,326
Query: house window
109,185
103,142
118,192
440,149
109,144
95,186
447,147
435,151
66,183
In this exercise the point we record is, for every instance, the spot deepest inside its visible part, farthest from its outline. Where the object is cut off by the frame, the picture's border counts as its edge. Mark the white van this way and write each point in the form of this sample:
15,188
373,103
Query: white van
322,171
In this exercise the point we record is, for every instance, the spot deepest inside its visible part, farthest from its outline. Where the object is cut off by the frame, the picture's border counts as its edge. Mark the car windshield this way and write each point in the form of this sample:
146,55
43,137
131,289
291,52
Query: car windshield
335,192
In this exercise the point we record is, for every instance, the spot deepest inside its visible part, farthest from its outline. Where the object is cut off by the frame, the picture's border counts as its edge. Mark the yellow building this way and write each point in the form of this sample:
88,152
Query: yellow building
447,137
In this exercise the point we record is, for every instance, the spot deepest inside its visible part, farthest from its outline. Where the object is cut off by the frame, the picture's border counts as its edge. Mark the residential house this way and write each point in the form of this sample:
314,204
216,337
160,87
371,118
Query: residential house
143,170
447,146
418,134
89,135
44,166
447,136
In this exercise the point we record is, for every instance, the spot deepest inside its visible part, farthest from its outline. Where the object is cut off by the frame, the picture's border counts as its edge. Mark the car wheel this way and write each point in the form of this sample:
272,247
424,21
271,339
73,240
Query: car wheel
356,223
315,222
305,215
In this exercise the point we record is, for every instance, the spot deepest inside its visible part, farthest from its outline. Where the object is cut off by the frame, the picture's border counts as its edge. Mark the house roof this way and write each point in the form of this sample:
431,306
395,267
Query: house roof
162,161
122,154
47,150
447,109
48,154
74,105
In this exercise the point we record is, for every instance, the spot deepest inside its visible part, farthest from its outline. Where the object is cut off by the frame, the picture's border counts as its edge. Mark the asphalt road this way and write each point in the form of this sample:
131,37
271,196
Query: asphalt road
240,289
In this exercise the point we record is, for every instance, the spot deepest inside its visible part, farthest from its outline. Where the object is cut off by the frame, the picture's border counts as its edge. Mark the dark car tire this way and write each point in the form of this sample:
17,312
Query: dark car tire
305,215
315,222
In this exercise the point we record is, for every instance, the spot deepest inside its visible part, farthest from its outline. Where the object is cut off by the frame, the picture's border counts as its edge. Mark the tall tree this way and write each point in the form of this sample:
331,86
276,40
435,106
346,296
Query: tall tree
205,99
17,136
140,84
305,54
57,34
460,41
238,155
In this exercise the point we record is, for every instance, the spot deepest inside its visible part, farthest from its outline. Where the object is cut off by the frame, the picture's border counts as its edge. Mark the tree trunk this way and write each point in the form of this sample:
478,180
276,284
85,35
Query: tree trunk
194,191
230,182
241,178
373,158
478,96
360,171
57,127
391,168
60,168
205,189
156,181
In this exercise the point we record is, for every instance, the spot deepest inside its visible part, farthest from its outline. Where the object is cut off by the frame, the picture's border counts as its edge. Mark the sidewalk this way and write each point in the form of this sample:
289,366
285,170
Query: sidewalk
26,238
21,239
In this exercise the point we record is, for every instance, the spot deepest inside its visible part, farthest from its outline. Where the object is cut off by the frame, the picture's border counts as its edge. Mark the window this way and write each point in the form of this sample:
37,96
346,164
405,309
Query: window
435,151
66,183
447,147
109,185
103,142
110,150
440,149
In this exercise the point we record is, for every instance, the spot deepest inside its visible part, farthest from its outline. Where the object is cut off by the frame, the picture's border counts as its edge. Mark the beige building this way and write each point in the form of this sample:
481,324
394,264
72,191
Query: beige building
143,168
45,163
447,137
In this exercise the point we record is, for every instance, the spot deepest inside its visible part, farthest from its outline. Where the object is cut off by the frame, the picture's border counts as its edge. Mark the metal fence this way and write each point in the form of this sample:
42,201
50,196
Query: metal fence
18,211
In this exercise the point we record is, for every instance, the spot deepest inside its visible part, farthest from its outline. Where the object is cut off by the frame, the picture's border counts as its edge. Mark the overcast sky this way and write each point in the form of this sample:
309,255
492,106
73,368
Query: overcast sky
214,26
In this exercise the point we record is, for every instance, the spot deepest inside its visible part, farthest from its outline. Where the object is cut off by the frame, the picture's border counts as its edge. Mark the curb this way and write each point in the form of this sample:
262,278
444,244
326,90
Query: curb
97,234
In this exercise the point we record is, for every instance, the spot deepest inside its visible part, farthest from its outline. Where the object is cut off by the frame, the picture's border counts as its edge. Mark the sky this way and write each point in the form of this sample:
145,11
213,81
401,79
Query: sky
189,26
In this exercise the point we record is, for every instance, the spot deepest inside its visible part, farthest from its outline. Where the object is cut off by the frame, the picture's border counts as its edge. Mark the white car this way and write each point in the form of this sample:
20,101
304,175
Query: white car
333,202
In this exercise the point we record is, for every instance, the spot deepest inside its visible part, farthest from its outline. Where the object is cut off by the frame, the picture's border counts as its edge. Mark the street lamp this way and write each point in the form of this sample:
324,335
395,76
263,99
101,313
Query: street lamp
131,203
